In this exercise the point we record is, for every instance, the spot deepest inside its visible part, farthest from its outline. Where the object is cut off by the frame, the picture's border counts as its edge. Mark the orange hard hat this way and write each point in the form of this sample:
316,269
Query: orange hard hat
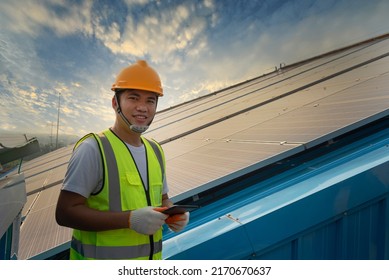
139,76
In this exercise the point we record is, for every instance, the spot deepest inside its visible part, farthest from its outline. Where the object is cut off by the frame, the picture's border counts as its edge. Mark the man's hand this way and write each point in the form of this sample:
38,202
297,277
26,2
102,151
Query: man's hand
177,222
146,220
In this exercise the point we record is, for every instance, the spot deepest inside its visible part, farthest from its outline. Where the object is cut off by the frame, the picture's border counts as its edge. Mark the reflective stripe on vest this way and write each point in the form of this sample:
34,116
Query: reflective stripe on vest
115,203
129,252
158,152
122,179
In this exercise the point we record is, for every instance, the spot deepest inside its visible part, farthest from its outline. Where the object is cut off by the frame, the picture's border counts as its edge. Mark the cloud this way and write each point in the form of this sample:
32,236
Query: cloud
30,18
159,33
77,47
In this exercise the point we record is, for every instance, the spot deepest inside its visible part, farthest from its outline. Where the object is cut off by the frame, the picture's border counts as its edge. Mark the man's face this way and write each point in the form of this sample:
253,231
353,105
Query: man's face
138,106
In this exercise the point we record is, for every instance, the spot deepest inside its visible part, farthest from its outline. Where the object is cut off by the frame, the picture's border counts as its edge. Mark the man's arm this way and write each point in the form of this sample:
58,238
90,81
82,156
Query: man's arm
73,212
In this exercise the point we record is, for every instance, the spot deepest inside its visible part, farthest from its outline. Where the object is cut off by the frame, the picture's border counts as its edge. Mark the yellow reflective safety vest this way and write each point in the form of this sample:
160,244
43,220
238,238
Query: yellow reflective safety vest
123,190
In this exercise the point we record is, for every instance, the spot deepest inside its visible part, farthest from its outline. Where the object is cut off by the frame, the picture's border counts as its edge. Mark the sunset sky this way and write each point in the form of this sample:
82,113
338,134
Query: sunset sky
74,49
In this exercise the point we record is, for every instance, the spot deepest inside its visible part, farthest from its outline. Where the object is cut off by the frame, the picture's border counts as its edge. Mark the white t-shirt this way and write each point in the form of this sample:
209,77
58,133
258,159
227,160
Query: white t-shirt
85,169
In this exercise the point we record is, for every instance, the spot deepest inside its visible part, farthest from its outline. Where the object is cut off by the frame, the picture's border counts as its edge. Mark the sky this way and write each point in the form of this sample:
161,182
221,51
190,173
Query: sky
69,52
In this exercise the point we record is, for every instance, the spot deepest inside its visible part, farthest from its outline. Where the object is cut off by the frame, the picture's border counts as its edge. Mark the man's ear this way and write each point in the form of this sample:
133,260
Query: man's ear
114,103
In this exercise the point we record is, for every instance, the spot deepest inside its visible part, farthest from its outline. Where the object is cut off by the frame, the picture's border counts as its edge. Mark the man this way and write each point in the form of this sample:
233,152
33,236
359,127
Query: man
115,187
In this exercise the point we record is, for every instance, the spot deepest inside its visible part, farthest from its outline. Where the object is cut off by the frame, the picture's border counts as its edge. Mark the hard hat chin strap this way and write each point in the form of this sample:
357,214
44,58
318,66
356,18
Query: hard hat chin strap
136,128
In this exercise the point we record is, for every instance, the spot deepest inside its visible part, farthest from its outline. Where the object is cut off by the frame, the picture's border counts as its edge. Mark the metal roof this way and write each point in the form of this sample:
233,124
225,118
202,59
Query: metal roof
229,133
12,140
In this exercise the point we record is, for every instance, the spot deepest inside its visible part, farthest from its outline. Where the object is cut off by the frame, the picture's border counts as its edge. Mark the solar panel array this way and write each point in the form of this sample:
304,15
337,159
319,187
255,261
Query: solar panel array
224,135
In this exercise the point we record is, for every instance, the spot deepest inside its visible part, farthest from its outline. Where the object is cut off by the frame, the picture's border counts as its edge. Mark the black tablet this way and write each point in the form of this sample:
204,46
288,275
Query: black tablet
179,209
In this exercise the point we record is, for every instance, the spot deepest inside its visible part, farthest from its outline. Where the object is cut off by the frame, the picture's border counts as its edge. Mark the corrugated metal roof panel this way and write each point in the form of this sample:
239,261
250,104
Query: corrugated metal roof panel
278,209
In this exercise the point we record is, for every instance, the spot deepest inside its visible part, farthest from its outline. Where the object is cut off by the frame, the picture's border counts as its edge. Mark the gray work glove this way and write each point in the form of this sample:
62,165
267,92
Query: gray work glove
146,220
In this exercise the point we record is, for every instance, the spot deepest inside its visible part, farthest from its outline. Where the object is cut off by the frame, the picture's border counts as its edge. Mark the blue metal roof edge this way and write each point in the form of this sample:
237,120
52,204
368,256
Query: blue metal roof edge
52,252
239,223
